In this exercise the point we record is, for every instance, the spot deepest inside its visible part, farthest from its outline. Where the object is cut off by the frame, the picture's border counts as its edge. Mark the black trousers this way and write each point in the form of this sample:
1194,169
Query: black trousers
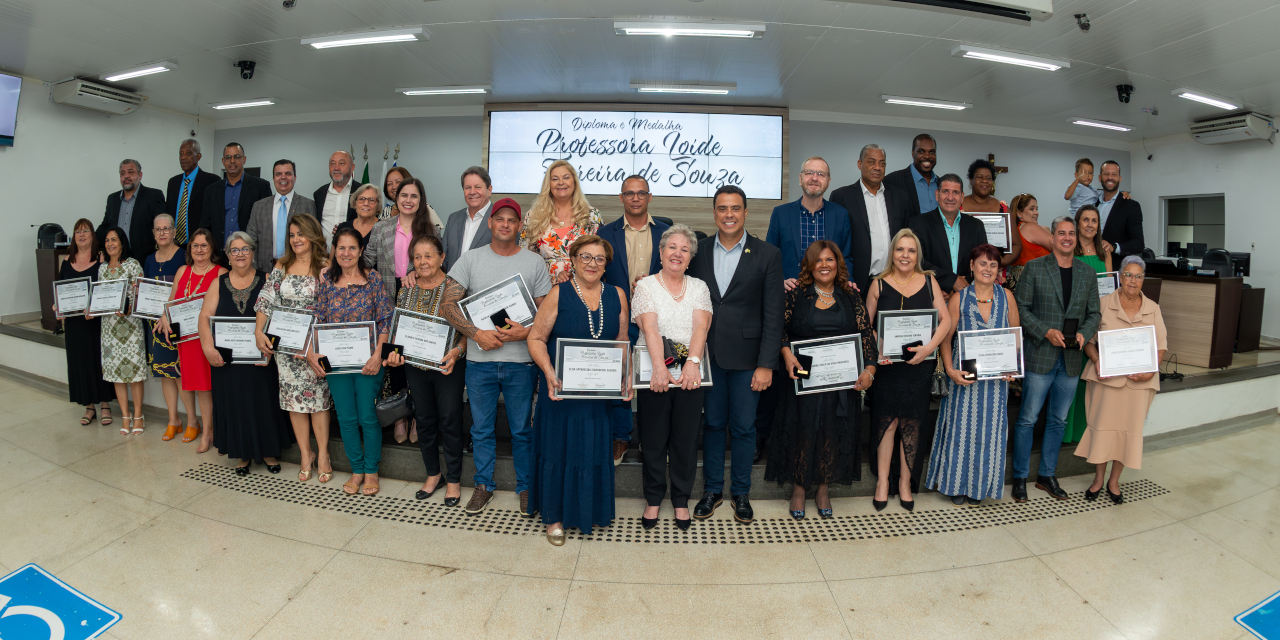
437,401
668,429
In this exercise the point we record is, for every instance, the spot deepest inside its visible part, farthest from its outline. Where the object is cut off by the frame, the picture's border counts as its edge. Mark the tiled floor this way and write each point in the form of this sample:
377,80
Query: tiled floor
181,558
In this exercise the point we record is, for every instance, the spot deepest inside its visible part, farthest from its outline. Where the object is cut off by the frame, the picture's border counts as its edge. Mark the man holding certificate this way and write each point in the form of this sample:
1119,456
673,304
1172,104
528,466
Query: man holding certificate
1124,360
1058,306
498,358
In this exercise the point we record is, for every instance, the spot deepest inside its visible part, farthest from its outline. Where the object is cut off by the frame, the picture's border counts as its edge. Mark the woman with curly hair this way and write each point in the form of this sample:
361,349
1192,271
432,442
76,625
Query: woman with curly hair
559,216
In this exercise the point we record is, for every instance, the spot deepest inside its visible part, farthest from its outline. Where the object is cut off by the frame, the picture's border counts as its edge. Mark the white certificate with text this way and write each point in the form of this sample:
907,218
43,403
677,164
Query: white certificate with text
900,330
508,296
591,369
1124,352
344,347
832,364
151,298
292,328
996,353
238,337
422,339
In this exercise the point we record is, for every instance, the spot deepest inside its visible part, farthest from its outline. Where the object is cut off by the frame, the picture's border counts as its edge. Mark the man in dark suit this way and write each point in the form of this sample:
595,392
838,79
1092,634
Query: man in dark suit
228,203
269,220
333,200
948,236
877,212
185,194
918,181
744,274
468,228
133,208
634,238
1121,217
796,225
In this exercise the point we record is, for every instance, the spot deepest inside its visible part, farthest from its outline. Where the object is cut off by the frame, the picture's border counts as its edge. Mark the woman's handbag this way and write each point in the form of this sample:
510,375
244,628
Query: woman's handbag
397,406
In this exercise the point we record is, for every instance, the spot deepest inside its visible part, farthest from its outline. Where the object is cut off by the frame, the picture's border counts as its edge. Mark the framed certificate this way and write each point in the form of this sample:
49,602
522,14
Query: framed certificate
1107,283
837,363
292,327
896,328
510,296
996,352
347,345
71,296
107,297
185,312
642,369
149,298
424,338
237,335
592,369
999,230
1123,352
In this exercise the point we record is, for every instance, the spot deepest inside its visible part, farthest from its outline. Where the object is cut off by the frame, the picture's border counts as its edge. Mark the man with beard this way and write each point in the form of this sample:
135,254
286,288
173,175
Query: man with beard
133,208
1120,216
918,181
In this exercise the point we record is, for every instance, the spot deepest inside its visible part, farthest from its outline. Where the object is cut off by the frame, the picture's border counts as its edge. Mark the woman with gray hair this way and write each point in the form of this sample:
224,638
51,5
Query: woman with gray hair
671,306
249,424
365,201
162,355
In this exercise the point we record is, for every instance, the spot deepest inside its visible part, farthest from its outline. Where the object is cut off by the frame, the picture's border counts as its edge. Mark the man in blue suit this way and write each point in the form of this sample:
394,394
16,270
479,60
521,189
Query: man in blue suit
634,238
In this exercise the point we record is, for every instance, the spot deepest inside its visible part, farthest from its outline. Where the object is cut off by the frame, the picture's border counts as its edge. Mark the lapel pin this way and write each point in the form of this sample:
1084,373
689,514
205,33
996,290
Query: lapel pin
747,250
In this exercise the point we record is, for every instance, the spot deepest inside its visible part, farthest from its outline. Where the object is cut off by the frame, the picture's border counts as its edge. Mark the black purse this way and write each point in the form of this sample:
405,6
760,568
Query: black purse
395,407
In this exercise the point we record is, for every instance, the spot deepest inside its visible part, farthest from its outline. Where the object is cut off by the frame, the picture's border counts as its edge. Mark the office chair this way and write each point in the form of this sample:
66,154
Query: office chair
1148,254
1219,260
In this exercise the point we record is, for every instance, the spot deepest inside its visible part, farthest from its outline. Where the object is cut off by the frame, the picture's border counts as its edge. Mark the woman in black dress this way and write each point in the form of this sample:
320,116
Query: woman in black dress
82,335
248,422
820,441
900,400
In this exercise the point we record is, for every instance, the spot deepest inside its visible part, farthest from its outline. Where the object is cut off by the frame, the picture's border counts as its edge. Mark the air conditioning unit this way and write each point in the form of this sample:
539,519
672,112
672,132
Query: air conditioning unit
1016,11
1236,128
87,95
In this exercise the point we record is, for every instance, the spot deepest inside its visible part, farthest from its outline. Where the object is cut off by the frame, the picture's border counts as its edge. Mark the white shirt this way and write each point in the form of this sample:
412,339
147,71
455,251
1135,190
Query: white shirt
878,220
335,210
675,319
473,225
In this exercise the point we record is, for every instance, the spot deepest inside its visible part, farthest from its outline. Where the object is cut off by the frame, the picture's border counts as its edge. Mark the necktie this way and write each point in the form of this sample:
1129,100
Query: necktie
181,225
282,225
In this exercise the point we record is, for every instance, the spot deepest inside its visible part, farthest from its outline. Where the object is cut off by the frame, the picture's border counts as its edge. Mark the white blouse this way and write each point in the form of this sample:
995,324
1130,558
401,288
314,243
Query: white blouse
675,319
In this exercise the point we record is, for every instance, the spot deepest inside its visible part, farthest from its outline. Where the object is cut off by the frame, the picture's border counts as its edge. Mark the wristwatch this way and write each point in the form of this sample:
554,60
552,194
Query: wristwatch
694,359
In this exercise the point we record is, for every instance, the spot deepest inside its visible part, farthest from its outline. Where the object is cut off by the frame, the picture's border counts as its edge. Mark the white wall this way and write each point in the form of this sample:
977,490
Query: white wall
62,166
1246,173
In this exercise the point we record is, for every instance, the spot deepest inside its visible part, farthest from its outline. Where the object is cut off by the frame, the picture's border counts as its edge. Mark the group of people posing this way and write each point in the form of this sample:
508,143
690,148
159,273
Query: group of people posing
729,305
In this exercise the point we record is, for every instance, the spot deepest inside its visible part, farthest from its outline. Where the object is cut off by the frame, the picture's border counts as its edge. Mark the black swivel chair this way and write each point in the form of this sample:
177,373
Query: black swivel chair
1219,260
1148,254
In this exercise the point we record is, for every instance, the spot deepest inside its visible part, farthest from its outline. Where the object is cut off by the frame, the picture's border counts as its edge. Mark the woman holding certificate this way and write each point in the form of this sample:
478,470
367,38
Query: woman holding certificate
294,283
1124,358
558,218
124,357
162,355
83,336
1093,251
900,399
573,439
351,292
821,441
972,432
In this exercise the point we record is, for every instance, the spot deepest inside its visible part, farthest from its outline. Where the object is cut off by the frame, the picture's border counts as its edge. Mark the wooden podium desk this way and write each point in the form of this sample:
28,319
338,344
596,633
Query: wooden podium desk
1201,315
47,263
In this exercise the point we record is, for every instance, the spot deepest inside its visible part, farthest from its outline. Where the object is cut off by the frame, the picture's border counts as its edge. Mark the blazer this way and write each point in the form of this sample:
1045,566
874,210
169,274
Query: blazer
263,231
1124,227
454,229
1039,295
616,272
784,232
380,252
896,206
319,196
213,213
935,253
746,325
903,181
195,203
149,204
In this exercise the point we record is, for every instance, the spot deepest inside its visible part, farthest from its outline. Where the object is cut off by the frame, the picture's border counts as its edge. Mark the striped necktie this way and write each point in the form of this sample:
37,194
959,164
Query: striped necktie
181,225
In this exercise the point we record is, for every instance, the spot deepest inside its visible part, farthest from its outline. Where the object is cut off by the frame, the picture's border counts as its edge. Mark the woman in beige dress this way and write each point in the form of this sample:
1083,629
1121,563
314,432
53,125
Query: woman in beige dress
1116,407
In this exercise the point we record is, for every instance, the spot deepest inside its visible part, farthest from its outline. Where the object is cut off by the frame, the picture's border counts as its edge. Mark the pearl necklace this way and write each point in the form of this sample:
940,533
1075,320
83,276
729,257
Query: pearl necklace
591,326
684,284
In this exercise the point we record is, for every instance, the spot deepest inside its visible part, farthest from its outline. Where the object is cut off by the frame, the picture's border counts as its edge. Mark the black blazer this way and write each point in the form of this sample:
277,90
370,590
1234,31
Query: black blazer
195,206
850,197
320,194
904,182
1124,227
746,324
213,213
936,253
150,204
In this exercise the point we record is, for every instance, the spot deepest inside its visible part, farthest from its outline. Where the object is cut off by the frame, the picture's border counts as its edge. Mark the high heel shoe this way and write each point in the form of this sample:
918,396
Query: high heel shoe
400,434
124,425
305,473
171,432
879,504
138,426
1092,495
825,514
798,515
909,505
325,476
413,432
190,434
1117,498
273,468
648,523
88,419
683,525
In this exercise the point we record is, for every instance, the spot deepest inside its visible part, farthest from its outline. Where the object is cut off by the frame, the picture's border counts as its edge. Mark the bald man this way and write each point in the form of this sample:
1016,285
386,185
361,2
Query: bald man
333,200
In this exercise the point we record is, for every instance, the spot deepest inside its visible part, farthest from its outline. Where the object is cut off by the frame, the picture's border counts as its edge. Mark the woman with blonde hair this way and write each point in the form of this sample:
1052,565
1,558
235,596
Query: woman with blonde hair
559,216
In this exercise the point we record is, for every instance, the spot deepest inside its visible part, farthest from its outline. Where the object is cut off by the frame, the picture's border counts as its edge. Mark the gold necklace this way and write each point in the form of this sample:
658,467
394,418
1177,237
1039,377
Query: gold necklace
894,275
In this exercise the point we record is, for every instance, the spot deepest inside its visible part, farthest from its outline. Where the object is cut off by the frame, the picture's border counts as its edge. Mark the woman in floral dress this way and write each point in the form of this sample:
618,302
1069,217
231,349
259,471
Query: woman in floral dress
124,356
559,216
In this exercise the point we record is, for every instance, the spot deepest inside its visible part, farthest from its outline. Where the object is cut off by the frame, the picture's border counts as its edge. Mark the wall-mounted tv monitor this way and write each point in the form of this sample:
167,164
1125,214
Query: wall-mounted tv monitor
10,87
680,154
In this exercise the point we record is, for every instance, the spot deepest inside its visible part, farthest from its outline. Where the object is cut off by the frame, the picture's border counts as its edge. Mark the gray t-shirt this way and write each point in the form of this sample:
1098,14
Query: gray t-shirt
481,268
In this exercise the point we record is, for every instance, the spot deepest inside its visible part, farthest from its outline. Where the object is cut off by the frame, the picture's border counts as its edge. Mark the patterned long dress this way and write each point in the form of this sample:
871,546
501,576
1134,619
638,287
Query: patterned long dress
124,355
554,248
301,390
970,439
161,355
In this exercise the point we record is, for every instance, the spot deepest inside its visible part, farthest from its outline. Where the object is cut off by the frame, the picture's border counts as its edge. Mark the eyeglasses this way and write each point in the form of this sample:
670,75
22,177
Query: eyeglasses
1133,276
590,259
83,231
808,173
163,229
635,194
237,157
367,199
239,251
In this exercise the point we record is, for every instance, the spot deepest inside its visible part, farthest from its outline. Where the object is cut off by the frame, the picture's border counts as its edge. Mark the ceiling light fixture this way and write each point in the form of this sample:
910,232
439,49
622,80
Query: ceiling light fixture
1009,57
669,87
144,70
1211,99
1100,124
444,91
364,37
925,102
703,29
256,102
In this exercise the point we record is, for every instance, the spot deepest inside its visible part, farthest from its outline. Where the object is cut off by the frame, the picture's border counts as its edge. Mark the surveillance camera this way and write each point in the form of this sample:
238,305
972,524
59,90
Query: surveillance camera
289,4
1082,21
1124,91
246,68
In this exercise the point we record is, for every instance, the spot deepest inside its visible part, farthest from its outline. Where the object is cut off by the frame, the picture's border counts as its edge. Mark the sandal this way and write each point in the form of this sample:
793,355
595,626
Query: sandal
106,417
370,487
191,434
171,432
305,473
91,415
352,489
124,425
138,426
325,476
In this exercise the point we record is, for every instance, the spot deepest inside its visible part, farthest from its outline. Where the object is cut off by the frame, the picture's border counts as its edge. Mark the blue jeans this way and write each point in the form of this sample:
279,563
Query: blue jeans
354,395
1060,390
514,380
730,403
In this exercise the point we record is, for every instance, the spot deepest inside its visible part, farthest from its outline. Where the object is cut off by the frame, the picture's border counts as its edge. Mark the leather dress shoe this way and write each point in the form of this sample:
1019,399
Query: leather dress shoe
706,507
1019,489
761,450
742,509
1049,485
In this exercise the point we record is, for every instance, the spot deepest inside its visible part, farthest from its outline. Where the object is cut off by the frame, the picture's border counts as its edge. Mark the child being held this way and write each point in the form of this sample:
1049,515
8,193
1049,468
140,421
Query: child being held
1081,191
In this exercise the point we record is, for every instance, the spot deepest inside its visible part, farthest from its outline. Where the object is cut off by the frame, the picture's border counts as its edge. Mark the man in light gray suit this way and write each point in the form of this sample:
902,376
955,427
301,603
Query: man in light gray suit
468,228
269,220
